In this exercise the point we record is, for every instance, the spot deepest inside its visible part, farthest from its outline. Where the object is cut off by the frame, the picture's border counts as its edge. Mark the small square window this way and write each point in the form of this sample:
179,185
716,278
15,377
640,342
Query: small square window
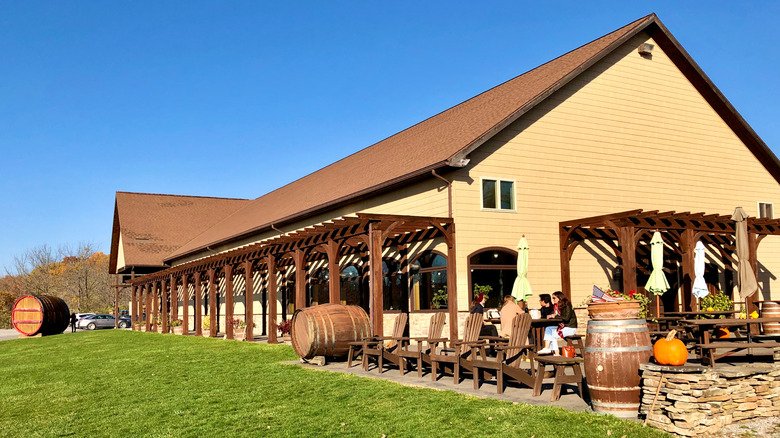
765,210
498,194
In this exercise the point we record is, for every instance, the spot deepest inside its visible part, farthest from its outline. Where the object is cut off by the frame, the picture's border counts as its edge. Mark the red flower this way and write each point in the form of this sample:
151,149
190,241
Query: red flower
631,293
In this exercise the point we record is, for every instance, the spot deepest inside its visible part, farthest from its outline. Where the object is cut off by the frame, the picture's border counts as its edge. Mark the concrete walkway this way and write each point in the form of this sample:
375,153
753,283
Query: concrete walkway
513,392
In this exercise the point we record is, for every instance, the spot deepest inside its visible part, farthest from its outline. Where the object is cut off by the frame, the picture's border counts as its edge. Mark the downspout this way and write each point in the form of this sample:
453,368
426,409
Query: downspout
277,230
449,189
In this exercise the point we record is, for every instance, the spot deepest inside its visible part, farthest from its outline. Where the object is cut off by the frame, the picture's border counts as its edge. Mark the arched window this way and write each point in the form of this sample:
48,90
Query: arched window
395,286
319,290
496,268
352,287
429,281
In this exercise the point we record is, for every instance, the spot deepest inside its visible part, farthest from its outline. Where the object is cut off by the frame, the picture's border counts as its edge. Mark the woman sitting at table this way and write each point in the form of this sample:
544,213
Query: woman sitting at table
478,308
508,312
566,328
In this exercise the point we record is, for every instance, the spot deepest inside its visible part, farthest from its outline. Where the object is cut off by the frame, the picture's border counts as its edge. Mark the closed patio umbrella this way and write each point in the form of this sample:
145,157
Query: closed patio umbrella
699,285
657,283
746,278
521,290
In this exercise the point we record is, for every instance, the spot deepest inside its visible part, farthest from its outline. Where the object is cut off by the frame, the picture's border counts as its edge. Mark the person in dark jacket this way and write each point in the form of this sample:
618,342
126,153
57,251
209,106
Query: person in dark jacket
478,308
545,301
73,323
566,328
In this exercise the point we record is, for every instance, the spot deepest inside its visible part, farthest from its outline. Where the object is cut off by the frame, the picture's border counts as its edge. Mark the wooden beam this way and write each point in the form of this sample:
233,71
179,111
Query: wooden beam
212,302
334,283
229,301
249,301
272,293
155,304
164,305
299,257
174,299
133,306
629,258
687,247
116,302
148,306
452,283
376,301
185,301
563,238
198,313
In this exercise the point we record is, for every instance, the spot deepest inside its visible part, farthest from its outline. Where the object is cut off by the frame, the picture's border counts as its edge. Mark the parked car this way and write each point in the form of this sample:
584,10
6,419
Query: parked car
125,321
96,321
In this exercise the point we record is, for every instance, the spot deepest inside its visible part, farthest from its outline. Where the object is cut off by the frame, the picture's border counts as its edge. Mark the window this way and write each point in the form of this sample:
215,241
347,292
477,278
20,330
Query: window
352,292
498,194
394,285
496,268
765,210
429,276
319,288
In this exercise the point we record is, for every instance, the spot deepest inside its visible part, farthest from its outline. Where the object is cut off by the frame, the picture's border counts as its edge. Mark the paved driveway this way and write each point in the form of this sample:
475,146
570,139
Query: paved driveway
6,334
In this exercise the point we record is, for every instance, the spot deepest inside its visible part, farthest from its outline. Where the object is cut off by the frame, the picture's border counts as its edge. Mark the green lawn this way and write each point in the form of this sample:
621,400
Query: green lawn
129,384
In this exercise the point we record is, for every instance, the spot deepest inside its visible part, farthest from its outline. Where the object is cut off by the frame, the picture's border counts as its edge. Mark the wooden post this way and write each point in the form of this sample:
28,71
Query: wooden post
299,257
563,246
133,306
750,304
629,258
164,305
155,303
272,292
334,283
249,293
452,283
185,301
212,302
229,301
376,307
174,298
116,302
148,307
198,313
688,269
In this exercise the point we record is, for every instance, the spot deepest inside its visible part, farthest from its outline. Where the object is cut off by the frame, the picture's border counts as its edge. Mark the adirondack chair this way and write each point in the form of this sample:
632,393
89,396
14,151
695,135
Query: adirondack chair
425,344
508,356
457,349
375,347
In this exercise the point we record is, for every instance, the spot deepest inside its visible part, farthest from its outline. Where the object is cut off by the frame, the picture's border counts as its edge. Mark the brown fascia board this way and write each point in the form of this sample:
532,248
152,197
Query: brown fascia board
112,257
357,196
463,153
715,98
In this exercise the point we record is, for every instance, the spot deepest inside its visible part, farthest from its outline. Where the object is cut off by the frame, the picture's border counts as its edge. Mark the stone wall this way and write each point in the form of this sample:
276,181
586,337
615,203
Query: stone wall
695,400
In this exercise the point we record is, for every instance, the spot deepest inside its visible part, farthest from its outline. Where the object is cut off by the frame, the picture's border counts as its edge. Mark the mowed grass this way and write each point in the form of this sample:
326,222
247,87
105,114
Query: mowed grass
131,384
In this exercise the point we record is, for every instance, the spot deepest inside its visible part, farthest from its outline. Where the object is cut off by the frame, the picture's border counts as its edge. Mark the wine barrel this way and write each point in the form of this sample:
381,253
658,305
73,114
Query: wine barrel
40,314
613,351
327,329
771,309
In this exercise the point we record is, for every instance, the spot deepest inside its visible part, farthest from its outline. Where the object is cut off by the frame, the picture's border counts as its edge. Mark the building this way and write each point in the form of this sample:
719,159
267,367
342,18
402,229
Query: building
627,122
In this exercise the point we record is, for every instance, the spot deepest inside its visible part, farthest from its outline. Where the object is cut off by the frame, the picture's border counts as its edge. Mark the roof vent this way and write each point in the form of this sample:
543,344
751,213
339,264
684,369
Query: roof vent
646,49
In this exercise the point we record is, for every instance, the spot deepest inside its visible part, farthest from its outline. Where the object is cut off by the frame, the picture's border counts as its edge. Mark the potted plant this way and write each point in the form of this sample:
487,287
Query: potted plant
239,329
439,299
177,325
716,302
632,305
484,290
206,326
284,328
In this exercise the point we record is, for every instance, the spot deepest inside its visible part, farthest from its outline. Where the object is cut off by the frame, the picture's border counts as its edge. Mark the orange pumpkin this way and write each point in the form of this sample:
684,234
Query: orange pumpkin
721,333
670,350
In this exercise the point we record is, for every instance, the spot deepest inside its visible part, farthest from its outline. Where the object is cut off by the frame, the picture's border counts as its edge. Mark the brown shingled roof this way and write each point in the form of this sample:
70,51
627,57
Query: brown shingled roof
450,136
152,226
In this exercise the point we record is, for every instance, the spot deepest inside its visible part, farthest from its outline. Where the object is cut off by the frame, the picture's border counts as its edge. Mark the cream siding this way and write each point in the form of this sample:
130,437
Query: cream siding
628,133
120,255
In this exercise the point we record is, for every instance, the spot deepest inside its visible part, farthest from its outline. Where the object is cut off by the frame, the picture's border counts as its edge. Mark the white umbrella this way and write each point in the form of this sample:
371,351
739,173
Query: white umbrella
699,285
657,283
521,290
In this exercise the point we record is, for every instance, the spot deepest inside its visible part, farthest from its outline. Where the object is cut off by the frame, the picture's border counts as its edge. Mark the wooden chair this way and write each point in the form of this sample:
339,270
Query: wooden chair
375,347
457,349
425,345
508,358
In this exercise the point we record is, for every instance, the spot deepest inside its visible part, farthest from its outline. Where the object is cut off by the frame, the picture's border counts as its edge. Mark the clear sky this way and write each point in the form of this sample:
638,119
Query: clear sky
234,99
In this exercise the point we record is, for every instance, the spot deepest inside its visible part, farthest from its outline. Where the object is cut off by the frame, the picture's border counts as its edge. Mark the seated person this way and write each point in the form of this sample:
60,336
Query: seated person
508,312
478,308
566,328
546,308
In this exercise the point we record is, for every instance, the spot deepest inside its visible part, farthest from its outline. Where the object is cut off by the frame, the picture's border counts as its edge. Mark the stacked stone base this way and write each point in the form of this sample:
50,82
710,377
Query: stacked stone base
696,400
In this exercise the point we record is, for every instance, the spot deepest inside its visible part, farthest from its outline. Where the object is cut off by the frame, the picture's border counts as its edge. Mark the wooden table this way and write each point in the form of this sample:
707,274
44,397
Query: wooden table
689,315
537,328
732,345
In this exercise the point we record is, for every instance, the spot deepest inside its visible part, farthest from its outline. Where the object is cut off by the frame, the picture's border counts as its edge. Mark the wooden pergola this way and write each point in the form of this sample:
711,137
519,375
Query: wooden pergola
628,235
366,235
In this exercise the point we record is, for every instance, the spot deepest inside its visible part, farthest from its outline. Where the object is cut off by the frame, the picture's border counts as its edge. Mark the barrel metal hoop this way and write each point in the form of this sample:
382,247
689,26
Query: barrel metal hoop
613,388
619,330
616,405
612,349
618,322
333,335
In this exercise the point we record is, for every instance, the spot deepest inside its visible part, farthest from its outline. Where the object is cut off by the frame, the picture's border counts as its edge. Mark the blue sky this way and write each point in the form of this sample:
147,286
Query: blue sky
234,99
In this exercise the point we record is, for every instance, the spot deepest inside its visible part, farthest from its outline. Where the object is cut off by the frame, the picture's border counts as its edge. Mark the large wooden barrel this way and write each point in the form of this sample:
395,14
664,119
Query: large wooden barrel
327,329
613,351
771,309
40,314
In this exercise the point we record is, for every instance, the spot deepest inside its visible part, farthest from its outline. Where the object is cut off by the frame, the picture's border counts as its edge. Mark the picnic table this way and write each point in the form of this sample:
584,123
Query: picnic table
694,314
537,328
708,349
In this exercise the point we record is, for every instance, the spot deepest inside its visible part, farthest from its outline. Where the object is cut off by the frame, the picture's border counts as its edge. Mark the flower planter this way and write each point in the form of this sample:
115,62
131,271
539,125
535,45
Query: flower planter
178,330
206,333
239,335
287,339
614,310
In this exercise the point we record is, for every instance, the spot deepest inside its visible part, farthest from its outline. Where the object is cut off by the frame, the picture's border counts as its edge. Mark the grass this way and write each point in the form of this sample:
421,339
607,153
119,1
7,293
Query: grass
122,383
